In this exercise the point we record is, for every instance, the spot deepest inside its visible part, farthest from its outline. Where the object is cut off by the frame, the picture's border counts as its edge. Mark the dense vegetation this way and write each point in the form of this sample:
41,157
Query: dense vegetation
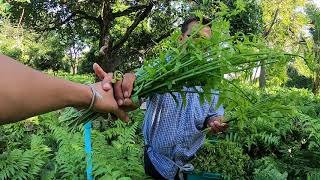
275,109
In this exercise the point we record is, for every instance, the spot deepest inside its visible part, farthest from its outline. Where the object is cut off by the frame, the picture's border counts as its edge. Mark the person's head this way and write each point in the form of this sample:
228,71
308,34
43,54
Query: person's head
193,22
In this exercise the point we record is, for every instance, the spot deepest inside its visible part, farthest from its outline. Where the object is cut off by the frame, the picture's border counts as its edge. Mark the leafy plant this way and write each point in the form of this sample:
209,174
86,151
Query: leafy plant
119,157
28,164
225,157
268,170
122,157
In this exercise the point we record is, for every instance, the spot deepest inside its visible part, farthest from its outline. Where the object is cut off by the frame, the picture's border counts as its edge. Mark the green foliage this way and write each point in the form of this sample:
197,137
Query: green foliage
192,61
244,16
289,136
124,154
298,80
24,164
70,157
84,78
5,6
56,152
225,157
277,128
197,58
288,21
274,134
47,53
87,60
268,170
42,53
10,40
311,48
119,157
313,175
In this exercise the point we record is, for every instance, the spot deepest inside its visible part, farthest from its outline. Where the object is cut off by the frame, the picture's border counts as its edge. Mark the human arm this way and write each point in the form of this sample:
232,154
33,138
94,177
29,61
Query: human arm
25,92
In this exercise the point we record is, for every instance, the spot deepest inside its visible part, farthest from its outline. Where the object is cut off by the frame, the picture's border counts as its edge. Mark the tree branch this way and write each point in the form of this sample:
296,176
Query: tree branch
140,17
128,11
76,13
151,43
55,26
84,15
266,33
164,35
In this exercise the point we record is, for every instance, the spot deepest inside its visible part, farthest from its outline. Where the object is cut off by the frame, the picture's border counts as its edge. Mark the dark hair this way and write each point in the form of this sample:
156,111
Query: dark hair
184,26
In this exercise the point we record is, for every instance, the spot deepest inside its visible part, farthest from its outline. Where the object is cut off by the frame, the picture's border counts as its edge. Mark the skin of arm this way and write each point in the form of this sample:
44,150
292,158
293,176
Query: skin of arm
25,92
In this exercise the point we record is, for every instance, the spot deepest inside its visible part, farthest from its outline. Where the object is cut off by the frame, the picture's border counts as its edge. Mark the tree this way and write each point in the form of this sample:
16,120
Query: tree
29,48
122,30
45,52
313,47
283,21
74,49
110,22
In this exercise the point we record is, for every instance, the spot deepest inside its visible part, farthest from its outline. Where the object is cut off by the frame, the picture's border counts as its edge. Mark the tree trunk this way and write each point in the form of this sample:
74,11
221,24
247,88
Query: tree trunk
316,79
76,66
109,58
316,84
73,69
105,59
262,77
105,43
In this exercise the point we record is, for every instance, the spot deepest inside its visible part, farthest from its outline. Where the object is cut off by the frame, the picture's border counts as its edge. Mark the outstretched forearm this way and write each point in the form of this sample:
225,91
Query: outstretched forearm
25,92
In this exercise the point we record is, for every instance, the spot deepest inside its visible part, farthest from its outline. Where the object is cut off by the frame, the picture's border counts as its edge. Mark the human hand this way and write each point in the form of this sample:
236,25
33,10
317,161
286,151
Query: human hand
122,89
216,124
105,102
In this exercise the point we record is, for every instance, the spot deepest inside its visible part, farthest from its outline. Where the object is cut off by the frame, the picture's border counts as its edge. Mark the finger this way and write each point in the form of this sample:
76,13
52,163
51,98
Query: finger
128,102
121,115
129,105
218,118
211,122
225,126
113,116
221,127
127,84
215,127
214,130
106,82
99,71
118,94
218,125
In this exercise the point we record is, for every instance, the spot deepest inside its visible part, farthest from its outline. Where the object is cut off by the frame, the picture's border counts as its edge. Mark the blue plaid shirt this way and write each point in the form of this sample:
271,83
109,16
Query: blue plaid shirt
172,132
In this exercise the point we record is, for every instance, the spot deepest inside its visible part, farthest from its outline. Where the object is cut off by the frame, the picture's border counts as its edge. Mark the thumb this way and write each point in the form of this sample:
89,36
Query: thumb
107,82
99,71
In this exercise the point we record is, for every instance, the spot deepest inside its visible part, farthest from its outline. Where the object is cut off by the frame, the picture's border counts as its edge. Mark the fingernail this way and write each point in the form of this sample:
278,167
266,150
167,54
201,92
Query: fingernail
126,94
120,102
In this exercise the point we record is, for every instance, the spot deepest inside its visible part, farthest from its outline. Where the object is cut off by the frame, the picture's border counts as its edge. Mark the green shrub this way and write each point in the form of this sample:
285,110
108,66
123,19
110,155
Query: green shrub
224,157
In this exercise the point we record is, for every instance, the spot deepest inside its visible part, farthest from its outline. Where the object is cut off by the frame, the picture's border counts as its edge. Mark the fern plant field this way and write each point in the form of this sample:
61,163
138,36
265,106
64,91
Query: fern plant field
275,135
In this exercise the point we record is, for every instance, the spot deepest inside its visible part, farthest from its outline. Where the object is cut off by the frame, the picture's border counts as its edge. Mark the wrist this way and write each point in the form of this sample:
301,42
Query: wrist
81,96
